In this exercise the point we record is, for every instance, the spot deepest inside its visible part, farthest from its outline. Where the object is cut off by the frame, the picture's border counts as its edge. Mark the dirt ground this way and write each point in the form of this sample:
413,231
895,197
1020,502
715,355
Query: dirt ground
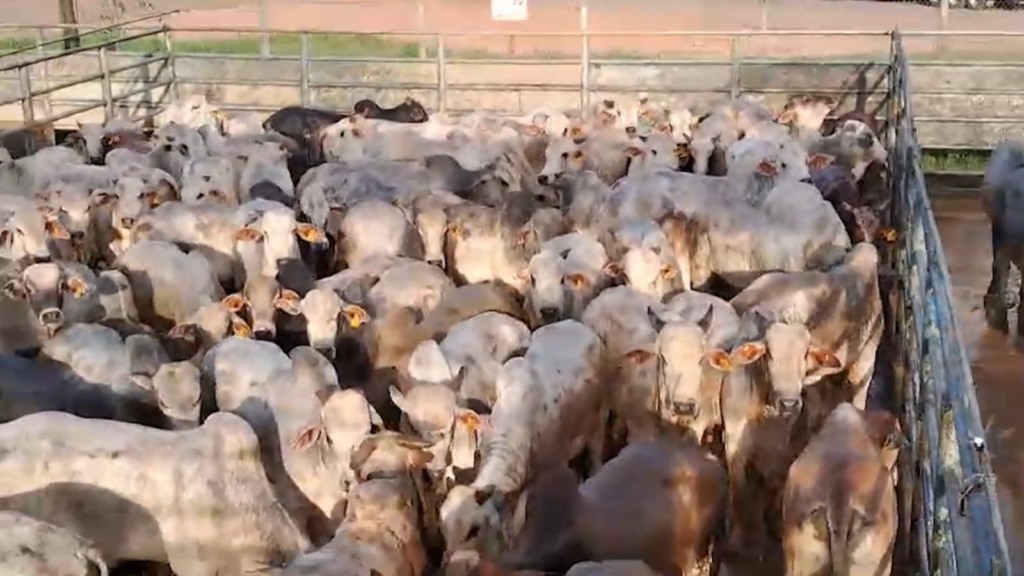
997,361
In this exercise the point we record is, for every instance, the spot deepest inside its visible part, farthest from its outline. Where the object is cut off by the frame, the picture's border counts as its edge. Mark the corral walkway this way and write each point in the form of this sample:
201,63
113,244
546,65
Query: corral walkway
996,360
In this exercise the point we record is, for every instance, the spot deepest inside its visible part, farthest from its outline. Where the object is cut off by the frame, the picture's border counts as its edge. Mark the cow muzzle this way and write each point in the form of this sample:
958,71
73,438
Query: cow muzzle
549,314
788,406
51,319
545,179
326,351
686,409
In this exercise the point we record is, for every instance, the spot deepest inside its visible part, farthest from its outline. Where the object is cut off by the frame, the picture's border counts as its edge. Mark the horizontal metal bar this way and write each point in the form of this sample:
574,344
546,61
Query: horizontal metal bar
422,33
79,81
955,120
72,112
965,33
254,57
137,65
289,84
508,61
80,50
118,26
969,92
149,86
968,64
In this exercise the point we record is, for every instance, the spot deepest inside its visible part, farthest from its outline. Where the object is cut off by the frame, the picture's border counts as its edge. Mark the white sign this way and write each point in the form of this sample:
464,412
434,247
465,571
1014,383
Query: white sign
508,10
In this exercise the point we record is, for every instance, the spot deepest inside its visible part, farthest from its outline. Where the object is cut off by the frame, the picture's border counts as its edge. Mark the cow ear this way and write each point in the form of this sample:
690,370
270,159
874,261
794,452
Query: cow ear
787,117
819,160
249,234
748,352
308,436
705,322
719,360
56,230
15,289
102,197
240,328
823,360
657,322
356,315
180,331
576,280
481,495
397,398
310,233
613,270
288,302
634,151
234,302
532,130
77,287
639,356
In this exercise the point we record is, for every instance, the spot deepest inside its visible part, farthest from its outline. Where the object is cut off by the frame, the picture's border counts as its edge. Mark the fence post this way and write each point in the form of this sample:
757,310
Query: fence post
264,35
421,19
944,17
169,49
442,76
304,95
734,71
40,51
105,86
28,113
584,57
764,14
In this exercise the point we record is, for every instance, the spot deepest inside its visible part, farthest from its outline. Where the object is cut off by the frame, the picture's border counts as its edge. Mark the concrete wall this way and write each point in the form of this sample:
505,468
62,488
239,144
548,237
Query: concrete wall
956,105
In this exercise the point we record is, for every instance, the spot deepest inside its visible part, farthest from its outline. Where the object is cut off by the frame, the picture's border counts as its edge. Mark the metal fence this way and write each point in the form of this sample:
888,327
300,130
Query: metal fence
955,518
126,87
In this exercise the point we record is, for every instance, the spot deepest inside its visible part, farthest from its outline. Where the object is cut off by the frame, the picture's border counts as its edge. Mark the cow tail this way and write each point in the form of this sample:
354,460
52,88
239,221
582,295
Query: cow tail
837,518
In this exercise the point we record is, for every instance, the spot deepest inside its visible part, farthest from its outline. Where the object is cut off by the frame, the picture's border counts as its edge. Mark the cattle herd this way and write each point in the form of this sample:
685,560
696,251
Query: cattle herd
624,340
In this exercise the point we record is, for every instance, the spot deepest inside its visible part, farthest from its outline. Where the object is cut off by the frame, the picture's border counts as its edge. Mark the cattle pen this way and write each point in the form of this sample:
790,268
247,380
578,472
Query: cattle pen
950,519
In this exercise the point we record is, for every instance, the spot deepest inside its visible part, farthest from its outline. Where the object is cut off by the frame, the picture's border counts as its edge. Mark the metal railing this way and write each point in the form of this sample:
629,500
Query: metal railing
955,518
438,53
107,75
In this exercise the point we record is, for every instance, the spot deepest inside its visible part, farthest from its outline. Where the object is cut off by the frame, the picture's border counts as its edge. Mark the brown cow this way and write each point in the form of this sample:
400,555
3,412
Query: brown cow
813,324
658,501
839,507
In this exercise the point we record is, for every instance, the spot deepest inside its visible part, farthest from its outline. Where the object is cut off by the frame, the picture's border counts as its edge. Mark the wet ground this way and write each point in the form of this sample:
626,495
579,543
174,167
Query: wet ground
996,359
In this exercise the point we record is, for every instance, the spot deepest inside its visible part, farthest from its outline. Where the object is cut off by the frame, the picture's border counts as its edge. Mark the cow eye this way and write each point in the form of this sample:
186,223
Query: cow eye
565,155
201,195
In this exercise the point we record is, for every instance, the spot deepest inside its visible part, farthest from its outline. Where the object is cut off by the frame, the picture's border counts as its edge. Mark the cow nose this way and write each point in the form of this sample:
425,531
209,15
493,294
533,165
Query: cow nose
543,179
326,352
788,406
264,334
548,313
77,237
807,180
51,317
686,408
437,263
127,222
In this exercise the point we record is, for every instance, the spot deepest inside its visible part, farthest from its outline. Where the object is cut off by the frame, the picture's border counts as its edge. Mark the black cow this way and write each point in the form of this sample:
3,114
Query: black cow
409,111
1003,199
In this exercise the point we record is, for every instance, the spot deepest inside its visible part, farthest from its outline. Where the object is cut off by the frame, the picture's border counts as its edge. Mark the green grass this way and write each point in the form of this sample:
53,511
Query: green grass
955,160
